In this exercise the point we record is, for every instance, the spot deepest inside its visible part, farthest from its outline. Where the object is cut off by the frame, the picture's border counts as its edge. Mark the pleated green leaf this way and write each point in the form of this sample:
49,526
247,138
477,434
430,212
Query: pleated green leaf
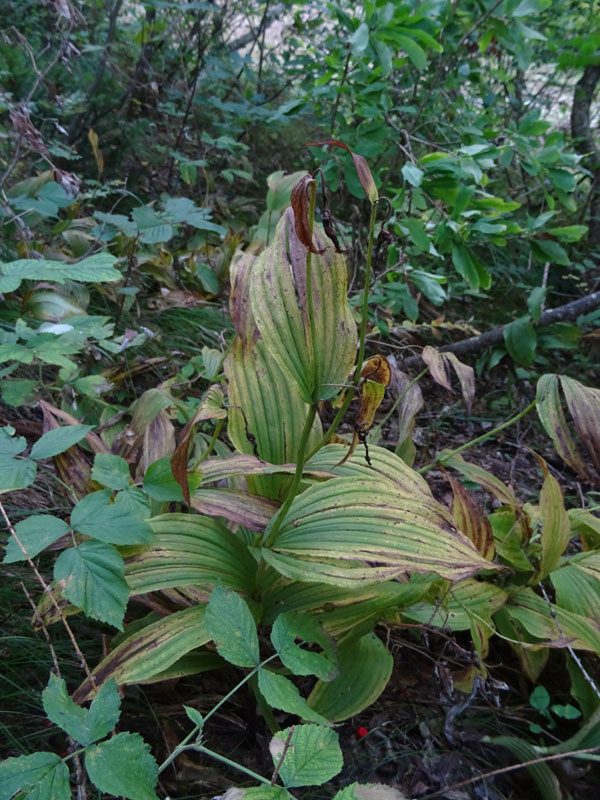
577,585
278,294
266,413
349,531
149,651
190,550
552,624
364,671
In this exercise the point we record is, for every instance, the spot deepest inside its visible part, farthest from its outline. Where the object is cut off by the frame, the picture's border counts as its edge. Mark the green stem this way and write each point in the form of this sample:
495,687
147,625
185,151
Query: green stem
365,304
361,339
201,749
313,349
398,400
183,745
211,444
446,455
293,490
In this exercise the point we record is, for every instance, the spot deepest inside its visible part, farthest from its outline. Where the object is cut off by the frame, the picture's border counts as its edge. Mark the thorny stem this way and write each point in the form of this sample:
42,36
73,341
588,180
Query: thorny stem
442,457
361,341
48,589
183,745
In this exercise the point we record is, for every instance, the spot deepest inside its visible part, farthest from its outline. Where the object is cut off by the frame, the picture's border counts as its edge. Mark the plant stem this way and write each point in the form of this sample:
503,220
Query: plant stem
293,490
313,349
183,745
211,444
398,400
365,304
201,749
361,339
446,455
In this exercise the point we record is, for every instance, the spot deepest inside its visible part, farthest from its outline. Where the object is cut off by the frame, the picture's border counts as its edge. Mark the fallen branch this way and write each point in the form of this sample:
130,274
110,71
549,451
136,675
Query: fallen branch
476,343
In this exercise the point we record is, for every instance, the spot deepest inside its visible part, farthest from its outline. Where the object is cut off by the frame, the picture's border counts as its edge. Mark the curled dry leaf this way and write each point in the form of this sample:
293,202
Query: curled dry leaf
470,519
301,208
583,403
439,368
360,164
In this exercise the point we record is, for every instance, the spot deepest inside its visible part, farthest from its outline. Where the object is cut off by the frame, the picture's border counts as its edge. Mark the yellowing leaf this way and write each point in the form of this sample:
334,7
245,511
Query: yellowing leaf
355,531
469,518
556,527
93,140
280,304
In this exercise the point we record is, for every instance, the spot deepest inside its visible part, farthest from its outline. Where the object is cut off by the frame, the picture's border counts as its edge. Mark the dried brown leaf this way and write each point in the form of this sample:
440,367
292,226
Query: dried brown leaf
360,164
301,208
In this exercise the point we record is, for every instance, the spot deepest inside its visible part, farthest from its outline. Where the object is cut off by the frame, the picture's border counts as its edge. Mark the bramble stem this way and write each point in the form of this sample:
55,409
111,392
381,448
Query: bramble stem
183,745
445,455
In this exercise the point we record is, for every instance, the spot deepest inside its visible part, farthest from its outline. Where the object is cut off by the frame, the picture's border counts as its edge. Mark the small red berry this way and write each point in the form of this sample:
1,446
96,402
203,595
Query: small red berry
362,731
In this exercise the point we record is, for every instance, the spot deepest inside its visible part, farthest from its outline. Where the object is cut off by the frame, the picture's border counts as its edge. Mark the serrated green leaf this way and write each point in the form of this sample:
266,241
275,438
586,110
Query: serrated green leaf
111,471
280,692
35,533
123,766
152,227
312,758
91,577
95,269
18,392
521,340
44,776
290,626
62,711
58,440
116,523
104,712
16,473
160,483
232,627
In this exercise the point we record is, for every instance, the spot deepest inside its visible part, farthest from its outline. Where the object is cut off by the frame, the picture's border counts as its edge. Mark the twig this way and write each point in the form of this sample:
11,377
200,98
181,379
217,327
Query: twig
79,773
48,589
572,652
512,768
283,755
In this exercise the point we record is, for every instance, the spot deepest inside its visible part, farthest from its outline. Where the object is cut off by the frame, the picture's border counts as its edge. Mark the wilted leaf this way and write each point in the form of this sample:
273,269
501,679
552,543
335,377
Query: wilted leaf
556,528
477,474
469,518
93,140
301,209
251,510
149,651
210,408
279,299
439,367
360,164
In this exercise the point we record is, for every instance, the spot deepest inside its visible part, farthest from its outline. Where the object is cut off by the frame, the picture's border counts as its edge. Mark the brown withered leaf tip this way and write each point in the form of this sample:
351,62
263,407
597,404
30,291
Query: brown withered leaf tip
300,207
360,164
